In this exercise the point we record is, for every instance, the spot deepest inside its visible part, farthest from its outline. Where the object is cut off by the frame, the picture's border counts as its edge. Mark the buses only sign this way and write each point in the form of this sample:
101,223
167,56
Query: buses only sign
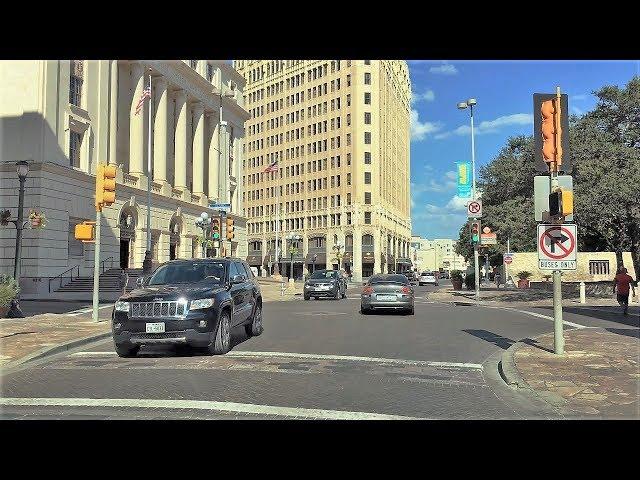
557,247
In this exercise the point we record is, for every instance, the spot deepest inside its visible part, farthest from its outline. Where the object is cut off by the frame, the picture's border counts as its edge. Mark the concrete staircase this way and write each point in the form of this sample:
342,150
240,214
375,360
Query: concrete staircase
109,282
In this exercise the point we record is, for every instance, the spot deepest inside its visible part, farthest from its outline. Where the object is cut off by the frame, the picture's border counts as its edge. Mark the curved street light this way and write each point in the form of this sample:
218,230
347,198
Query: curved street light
203,223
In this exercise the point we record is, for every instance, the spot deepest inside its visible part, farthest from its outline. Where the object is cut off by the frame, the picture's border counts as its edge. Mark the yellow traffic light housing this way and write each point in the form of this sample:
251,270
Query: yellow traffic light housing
561,203
84,232
552,132
230,234
105,186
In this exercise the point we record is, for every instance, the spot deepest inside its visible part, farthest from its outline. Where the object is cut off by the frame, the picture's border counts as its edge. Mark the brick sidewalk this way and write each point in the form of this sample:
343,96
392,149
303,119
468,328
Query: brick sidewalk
22,339
598,377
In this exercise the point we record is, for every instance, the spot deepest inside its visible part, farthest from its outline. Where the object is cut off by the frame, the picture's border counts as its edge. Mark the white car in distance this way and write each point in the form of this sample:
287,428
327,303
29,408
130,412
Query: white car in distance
427,278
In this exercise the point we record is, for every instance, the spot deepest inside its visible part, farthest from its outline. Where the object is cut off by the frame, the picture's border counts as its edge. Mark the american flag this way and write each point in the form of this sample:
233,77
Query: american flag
272,168
146,93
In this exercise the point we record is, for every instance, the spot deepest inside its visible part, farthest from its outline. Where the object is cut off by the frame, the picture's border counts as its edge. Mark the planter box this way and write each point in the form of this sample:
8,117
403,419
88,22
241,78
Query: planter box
3,311
523,283
457,284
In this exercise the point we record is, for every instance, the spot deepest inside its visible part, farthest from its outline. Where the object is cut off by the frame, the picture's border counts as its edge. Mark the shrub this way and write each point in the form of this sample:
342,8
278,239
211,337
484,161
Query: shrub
456,275
9,290
470,281
524,275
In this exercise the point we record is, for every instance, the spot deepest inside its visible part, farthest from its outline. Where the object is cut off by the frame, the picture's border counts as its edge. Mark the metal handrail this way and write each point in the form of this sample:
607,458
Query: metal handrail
63,273
103,262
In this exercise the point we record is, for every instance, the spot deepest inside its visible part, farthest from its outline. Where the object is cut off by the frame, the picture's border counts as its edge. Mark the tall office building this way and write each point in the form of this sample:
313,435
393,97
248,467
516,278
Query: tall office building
339,131
65,117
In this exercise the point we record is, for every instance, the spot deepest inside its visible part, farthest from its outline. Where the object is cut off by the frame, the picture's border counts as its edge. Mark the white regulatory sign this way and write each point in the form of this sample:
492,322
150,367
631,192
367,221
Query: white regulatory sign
474,209
557,247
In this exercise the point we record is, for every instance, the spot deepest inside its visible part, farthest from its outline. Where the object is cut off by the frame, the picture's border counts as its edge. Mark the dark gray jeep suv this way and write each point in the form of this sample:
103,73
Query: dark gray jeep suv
189,302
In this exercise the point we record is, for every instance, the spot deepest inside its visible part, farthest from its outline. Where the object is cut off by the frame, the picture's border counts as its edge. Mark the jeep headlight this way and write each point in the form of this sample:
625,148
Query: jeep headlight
201,303
122,306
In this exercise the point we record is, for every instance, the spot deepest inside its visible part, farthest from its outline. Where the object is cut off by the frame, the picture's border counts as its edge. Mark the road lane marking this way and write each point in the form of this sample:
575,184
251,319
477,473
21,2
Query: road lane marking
75,313
308,413
314,356
349,358
534,314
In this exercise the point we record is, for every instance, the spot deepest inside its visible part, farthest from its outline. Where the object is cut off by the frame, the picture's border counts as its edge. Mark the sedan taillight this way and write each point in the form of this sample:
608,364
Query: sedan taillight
406,290
367,290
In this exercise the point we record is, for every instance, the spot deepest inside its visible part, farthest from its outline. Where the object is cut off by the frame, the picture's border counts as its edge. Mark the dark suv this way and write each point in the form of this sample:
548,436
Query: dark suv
189,302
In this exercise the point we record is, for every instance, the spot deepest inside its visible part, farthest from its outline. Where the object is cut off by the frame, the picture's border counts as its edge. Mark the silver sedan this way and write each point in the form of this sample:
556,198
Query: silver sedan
387,292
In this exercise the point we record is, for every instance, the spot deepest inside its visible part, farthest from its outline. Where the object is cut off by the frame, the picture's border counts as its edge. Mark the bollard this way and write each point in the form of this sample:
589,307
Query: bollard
583,293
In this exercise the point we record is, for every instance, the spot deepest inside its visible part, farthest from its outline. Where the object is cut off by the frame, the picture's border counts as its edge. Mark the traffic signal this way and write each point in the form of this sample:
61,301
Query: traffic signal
475,231
215,229
551,132
561,203
230,229
105,186
84,232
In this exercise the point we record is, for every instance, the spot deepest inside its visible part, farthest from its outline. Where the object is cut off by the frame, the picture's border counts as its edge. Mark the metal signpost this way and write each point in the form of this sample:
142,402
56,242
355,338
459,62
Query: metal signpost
557,242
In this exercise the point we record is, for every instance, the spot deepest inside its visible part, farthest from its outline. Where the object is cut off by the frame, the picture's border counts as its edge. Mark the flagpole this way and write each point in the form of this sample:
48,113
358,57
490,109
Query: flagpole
149,171
277,268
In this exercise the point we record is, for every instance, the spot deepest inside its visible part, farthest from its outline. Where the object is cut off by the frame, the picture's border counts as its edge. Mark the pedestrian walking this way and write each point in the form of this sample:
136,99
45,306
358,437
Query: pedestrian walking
124,280
622,282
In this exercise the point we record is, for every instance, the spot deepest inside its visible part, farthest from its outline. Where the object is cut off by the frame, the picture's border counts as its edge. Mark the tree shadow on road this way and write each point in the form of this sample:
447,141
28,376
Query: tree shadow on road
609,313
502,342
629,332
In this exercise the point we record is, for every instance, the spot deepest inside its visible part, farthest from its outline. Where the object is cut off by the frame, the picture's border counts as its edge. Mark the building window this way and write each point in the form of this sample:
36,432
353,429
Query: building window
367,78
75,83
367,98
193,64
367,178
599,267
367,118
76,247
75,141
367,62
367,198
367,158
209,72
367,138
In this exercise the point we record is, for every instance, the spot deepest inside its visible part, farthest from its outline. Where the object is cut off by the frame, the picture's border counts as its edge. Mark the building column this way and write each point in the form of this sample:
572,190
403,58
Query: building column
181,142
160,132
377,253
214,157
305,252
198,149
357,255
136,123
113,115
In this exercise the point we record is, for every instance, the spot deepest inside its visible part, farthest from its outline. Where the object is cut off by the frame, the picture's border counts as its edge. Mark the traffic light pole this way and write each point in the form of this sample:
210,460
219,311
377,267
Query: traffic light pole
558,333
96,267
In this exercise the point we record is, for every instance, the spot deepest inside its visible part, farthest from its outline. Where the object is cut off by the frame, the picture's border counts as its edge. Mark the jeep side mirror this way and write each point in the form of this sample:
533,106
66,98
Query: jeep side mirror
140,281
238,279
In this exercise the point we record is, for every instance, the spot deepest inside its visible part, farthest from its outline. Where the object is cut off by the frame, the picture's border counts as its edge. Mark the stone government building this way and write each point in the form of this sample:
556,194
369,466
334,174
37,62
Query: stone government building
340,131
65,117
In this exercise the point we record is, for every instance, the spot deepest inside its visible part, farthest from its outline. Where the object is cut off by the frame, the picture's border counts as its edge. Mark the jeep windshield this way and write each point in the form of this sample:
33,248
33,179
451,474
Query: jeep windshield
191,272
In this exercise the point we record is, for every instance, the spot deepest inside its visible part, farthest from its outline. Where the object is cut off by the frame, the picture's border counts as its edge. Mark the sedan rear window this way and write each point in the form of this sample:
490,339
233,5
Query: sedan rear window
389,279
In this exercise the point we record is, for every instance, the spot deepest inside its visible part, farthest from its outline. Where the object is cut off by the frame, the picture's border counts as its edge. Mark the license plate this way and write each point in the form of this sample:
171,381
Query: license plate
155,327
386,297
323,287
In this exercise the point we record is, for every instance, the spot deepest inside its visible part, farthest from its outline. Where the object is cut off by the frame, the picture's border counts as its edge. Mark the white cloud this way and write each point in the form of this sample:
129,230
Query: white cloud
420,130
445,69
457,203
452,175
428,96
577,110
490,126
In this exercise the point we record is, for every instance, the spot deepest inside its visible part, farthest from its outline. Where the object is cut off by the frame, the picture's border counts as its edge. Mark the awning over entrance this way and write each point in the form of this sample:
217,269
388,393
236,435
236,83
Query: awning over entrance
368,257
403,261
254,260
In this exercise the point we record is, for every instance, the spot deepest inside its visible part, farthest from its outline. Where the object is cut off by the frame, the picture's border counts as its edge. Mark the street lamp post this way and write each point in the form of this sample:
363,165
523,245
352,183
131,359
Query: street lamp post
338,249
463,105
292,251
22,169
314,258
203,223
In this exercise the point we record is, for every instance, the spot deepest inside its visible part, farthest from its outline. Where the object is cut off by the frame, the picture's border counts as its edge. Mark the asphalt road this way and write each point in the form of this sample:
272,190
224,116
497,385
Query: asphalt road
316,359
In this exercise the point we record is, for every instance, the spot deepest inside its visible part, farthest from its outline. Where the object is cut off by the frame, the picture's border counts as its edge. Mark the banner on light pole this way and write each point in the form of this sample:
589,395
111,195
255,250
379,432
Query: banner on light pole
463,174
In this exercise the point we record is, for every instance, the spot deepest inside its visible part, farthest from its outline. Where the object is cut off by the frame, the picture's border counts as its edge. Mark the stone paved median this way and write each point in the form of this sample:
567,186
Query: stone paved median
598,377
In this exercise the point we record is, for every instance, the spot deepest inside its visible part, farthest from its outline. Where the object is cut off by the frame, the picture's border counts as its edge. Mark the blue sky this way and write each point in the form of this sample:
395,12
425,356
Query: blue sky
440,133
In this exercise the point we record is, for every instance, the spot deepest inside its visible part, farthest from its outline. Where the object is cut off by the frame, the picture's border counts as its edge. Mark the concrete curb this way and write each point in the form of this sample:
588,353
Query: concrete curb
508,370
54,349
